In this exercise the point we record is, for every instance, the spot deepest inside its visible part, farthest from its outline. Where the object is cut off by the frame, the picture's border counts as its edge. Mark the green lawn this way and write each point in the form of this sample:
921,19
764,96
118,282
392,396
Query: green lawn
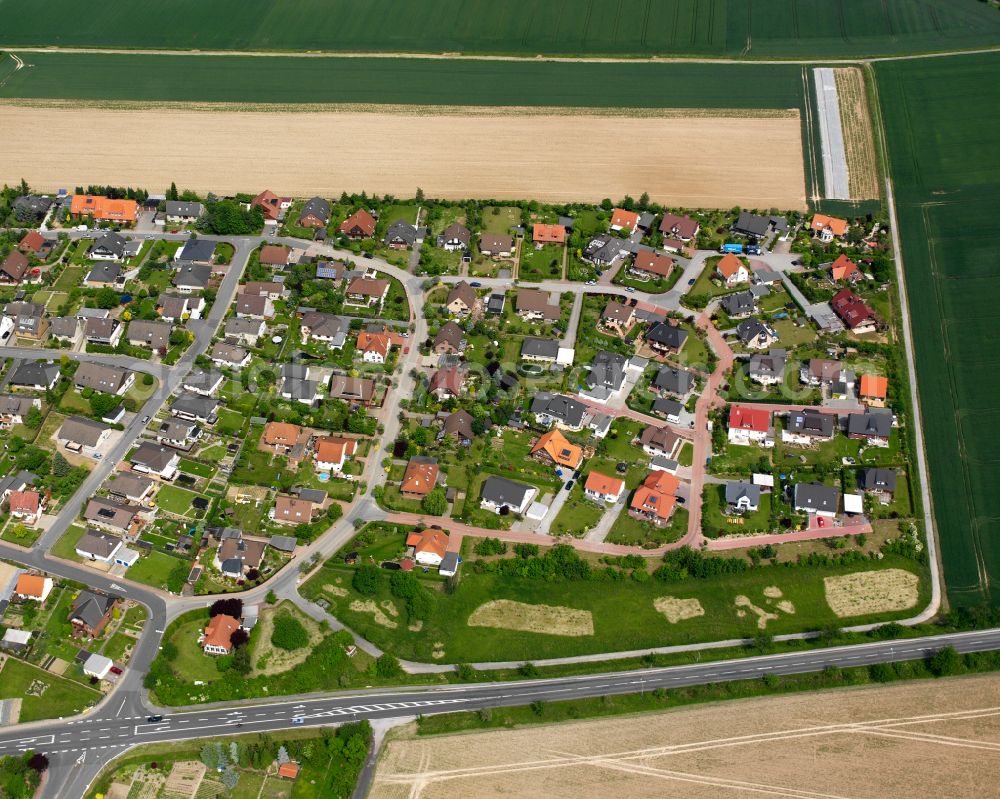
65,547
200,469
191,660
27,536
578,514
115,648
60,697
230,422
176,500
636,532
154,568
623,613
715,522
543,264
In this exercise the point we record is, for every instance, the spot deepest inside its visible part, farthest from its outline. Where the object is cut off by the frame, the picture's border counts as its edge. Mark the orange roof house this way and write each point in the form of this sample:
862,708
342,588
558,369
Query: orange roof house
291,510
374,346
429,546
729,267
844,269
420,477
548,234
104,208
332,451
655,499
835,226
33,586
24,503
33,241
873,389
281,434
289,770
600,486
218,635
359,225
624,220
553,446
269,203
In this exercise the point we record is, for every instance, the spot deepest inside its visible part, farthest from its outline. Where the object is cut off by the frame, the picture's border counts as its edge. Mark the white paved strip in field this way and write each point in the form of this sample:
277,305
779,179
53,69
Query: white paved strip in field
831,136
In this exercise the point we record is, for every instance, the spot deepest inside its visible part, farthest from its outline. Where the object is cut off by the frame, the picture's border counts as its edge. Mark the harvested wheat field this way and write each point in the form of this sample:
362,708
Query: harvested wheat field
677,609
861,593
922,740
687,159
548,619
859,143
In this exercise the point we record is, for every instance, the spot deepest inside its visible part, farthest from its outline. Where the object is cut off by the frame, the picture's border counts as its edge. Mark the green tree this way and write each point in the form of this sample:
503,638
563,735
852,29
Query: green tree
435,503
946,661
107,298
33,418
288,633
387,666
367,579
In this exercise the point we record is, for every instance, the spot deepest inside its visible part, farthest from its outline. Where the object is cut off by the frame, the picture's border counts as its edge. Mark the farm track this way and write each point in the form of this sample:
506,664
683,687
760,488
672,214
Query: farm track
859,143
474,57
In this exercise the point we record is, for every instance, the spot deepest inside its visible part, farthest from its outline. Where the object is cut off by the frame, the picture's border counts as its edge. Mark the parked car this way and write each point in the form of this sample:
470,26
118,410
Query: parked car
691,282
476,284
569,485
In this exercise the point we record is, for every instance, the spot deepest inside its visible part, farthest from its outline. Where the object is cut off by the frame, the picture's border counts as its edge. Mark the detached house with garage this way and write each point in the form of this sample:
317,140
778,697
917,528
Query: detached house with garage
874,426
429,546
332,452
455,237
104,378
828,227
854,312
768,369
844,270
402,235
218,634
420,477
601,488
680,227
315,213
494,246
325,328
660,442
14,267
156,460
750,426
14,409
366,291
665,338
462,300
154,335
542,234
817,499
808,427
655,499
534,305
755,334
499,493
624,220
450,339
180,212
649,265
254,306
554,448
79,434
359,225
731,270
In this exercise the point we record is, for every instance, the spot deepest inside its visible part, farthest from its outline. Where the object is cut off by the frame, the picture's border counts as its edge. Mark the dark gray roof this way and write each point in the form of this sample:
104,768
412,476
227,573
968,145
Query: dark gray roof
400,231
816,497
17,482
607,369
605,249
874,423
768,364
676,381
153,456
104,273
501,491
317,207
752,224
197,250
811,422
111,243
566,409
90,608
753,329
496,303
539,348
877,479
97,543
737,489
299,371
194,405
449,562
101,377
64,326
667,407
82,430
299,389
668,335
742,302
181,208
310,494
283,543
194,276
32,203
35,374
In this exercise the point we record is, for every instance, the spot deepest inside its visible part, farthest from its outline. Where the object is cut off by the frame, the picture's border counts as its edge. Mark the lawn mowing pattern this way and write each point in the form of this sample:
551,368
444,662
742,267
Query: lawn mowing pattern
940,120
782,28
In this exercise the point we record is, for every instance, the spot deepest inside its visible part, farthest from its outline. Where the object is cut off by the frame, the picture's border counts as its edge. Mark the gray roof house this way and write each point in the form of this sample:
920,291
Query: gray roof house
96,545
816,498
539,349
104,275
742,495
315,212
154,334
670,408
28,317
665,337
330,329
674,381
130,486
103,377
874,425
155,459
499,492
110,246
198,251
768,368
401,234
191,406
192,277
36,375
881,481
564,411
64,328
739,305
808,425
607,373
180,211
755,334
83,431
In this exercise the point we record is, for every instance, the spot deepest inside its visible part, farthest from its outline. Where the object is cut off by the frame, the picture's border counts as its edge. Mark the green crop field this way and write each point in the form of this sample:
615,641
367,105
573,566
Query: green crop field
941,118
778,28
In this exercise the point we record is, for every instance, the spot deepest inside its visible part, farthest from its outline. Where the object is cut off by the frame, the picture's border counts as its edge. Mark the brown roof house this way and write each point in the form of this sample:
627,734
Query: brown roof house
462,299
359,225
292,510
275,255
449,339
496,246
532,304
420,477
367,291
14,267
237,555
218,634
618,317
111,515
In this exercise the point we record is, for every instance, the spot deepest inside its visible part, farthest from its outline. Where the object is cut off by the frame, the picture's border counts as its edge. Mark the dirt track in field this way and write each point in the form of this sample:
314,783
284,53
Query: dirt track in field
694,160
907,741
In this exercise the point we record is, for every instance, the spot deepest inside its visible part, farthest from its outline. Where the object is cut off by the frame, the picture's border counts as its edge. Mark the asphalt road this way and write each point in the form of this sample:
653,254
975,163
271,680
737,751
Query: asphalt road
117,727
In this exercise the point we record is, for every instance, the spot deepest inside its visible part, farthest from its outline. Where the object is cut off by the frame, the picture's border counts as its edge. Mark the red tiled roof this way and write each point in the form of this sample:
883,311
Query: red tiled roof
755,419
549,234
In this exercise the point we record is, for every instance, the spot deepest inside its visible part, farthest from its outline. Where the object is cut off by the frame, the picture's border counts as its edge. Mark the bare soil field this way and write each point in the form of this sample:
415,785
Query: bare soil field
861,593
907,741
680,158
859,143
547,619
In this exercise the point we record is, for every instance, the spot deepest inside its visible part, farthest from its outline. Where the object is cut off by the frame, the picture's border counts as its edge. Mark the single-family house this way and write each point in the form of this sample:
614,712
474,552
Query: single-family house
204,382
401,235
874,426
808,426
666,338
843,269
817,499
236,556
80,434
325,328
359,390
881,483
624,220
854,312
152,334
742,496
28,319
196,251
499,493
105,275
670,409
559,410
767,368
602,488
292,510
429,546
244,331
178,433
820,372
183,212
14,267
755,334
750,426
272,289
651,265
195,407
97,546
281,436
36,375
605,250
455,237
315,213
179,307
533,305
731,270
679,226
26,506
654,500
462,300
542,234
544,350
218,634
36,587
66,328
367,291
672,380
828,227
359,225
190,278
420,477
605,376
450,339
873,390
554,448
109,247
105,332
373,347
91,612
14,409
757,226
131,487
104,377
229,355
270,204
31,207
660,442
739,305
459,425
618,317
332,452
496,246
156,459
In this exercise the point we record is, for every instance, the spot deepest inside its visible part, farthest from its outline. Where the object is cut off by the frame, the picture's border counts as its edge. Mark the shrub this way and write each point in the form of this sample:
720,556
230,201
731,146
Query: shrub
367,579
289,634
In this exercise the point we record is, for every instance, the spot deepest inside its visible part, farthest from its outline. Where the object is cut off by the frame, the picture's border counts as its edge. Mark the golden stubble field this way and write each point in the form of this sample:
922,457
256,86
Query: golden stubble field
697,158
907,741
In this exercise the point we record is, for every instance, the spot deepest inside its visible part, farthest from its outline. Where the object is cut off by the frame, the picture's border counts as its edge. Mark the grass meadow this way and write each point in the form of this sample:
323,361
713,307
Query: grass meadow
939,120
782,28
